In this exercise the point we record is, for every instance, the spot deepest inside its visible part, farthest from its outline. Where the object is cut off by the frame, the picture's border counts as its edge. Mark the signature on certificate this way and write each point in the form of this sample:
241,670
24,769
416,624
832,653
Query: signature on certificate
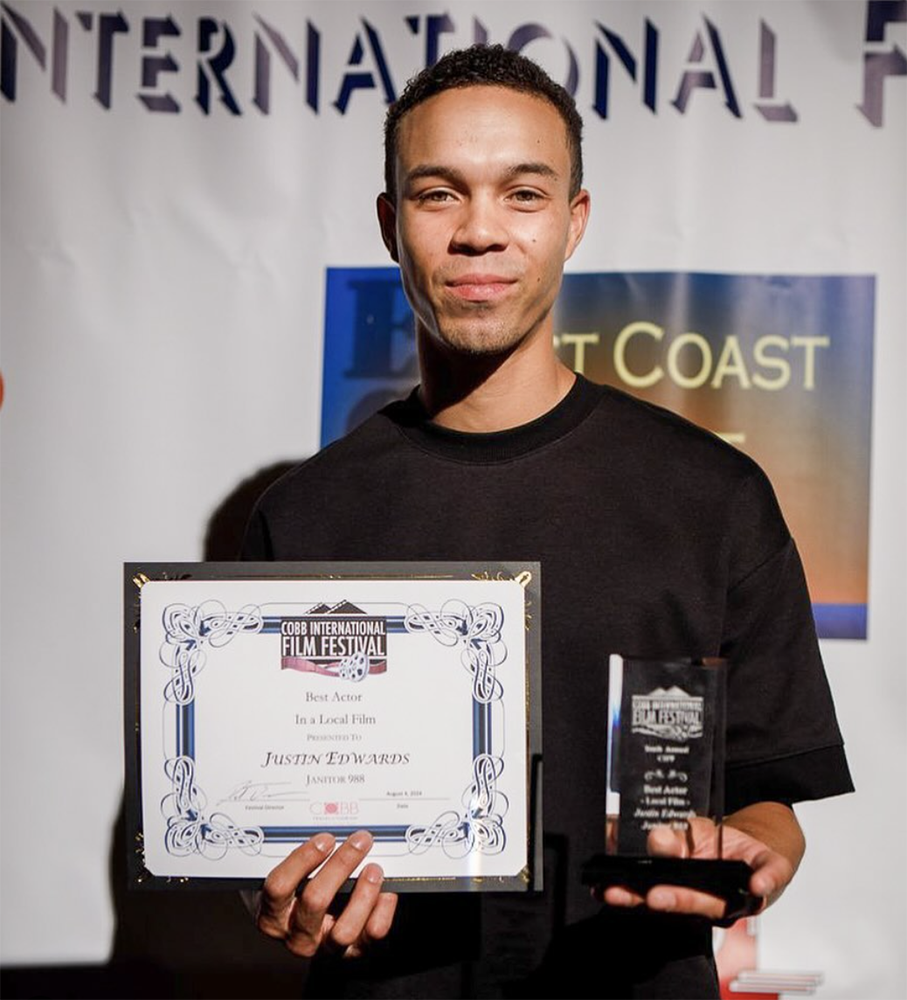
256,791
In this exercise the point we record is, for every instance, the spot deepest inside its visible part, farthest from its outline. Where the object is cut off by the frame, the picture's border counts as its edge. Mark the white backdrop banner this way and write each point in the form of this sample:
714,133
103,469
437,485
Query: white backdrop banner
186,188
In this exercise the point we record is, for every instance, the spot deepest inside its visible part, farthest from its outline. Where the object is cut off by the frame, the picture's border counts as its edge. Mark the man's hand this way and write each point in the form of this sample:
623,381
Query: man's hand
302,921
765,835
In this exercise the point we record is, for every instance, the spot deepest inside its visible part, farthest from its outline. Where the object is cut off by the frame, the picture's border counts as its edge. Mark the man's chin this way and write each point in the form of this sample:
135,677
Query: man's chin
480,344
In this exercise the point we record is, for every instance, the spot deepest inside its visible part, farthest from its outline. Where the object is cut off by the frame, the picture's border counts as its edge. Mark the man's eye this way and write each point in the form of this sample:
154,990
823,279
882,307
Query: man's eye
433,196
526,196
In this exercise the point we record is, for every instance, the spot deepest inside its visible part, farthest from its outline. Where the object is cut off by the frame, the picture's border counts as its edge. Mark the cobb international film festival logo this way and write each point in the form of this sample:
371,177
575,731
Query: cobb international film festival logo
670,714
338,640
206,64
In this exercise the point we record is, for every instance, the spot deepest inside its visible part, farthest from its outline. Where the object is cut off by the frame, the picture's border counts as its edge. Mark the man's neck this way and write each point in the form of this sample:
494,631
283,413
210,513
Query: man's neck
482,395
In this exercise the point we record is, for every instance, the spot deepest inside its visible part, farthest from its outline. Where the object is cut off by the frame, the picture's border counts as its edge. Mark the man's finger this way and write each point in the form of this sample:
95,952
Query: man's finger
320,891
771,874
620,895
664,842
279,890
350,926
379,923
676,899
377,926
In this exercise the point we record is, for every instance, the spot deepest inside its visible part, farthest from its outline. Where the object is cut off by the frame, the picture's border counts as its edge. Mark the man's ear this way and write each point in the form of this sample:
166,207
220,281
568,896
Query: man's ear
579,216
387,220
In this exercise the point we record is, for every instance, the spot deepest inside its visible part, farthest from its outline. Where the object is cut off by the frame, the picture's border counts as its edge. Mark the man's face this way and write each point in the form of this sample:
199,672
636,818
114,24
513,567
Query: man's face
484,220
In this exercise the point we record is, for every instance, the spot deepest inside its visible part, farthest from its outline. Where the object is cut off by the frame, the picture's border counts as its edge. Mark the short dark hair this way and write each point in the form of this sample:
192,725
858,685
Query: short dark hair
490,66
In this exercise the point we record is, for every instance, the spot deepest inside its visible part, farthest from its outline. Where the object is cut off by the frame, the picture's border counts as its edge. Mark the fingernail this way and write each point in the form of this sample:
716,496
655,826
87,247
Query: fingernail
373,874
362,840
323,842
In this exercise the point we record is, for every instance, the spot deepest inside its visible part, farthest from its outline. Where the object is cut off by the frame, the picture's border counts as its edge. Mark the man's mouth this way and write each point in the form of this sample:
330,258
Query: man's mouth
479,287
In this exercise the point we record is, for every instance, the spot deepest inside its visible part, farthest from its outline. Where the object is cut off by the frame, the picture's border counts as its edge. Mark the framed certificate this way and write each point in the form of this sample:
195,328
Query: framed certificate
266,702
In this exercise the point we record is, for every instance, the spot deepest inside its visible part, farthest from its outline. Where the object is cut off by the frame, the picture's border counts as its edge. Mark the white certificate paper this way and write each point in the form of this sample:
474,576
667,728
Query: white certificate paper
274,707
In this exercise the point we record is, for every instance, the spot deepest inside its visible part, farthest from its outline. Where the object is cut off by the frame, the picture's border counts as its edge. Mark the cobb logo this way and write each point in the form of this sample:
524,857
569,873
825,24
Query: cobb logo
335,809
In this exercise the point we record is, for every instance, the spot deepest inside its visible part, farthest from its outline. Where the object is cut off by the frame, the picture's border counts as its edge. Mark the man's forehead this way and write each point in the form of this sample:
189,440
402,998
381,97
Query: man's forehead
488,97
480,113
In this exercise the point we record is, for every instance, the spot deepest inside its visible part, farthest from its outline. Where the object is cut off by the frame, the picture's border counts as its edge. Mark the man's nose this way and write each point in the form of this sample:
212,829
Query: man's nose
481,227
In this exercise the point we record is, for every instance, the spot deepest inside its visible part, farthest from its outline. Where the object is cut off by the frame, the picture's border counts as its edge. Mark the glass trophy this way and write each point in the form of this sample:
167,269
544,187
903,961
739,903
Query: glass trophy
666,759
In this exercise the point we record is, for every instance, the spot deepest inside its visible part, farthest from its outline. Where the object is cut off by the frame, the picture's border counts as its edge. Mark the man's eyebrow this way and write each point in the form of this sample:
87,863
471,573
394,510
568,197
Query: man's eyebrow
432,170
454,176
539,169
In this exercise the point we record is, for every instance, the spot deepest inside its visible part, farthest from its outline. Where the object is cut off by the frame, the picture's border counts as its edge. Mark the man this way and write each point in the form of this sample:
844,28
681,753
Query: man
655,539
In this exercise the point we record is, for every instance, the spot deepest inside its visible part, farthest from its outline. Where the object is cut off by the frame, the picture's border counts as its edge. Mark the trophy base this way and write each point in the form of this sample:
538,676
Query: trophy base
729,880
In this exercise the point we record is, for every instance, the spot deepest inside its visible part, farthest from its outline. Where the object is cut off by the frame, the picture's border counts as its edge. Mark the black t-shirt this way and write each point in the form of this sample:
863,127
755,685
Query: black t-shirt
655,539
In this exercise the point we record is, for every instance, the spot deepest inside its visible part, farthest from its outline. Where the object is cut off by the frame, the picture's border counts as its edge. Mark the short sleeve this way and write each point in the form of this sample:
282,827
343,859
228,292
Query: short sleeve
783,739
